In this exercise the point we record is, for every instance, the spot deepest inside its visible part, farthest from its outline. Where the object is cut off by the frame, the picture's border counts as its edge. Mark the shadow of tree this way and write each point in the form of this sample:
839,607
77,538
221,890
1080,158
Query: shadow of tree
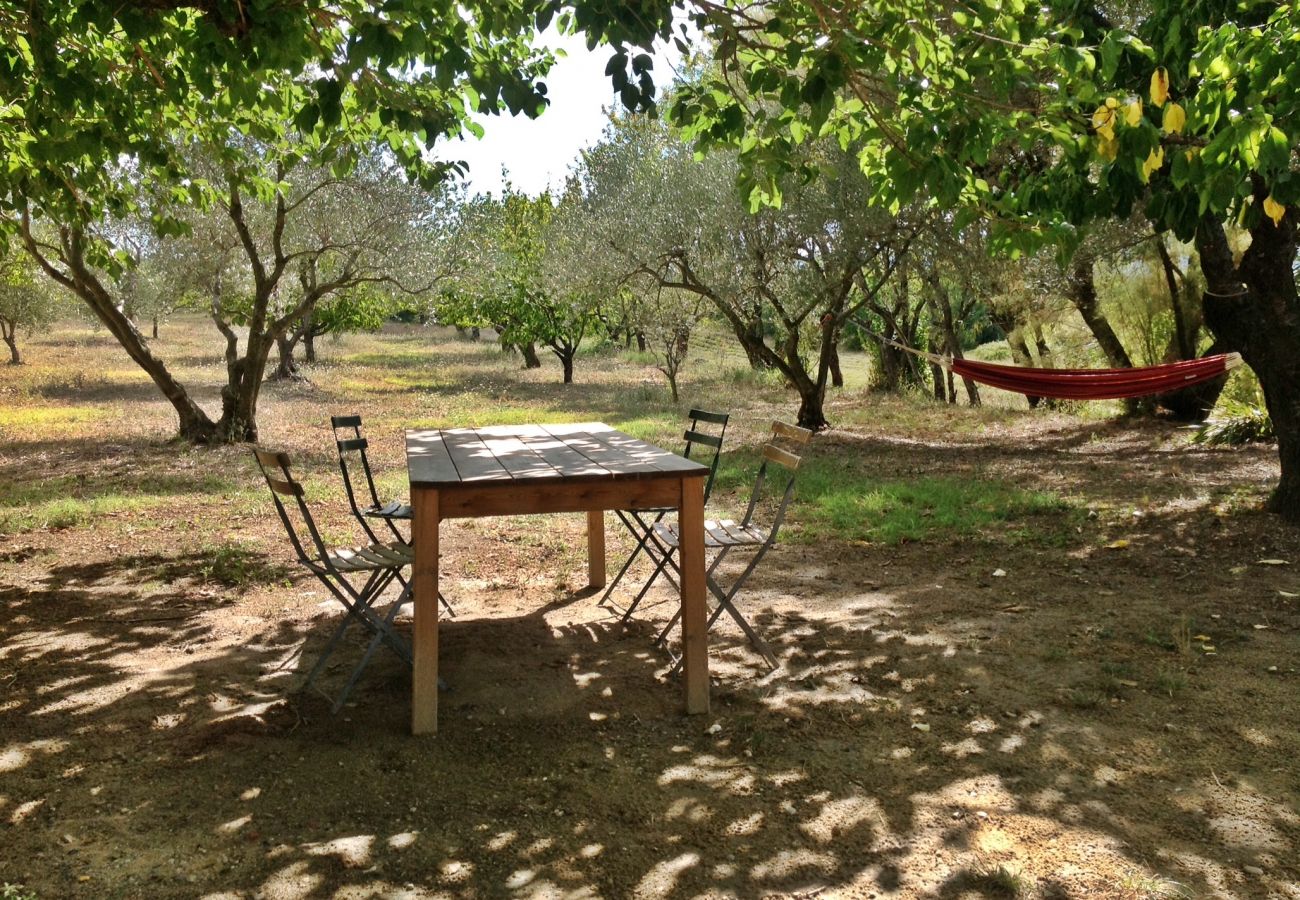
935,730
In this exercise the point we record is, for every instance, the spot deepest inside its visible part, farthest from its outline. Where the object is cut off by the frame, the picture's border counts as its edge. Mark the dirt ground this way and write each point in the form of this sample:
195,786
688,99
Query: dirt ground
1097,701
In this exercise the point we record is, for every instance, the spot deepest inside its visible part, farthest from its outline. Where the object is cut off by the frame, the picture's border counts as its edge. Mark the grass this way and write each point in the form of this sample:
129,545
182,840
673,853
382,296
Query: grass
233,564
69,512
69,501
38,416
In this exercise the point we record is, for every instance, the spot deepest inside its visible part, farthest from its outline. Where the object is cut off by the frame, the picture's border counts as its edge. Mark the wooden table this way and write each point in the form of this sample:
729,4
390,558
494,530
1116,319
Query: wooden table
517,469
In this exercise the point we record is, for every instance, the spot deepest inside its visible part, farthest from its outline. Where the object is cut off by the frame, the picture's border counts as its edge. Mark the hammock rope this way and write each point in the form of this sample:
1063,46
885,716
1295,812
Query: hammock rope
1081,384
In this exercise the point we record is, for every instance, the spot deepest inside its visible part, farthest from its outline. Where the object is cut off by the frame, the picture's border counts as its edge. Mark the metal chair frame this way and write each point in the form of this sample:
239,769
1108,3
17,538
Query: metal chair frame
389,513
381,562
636,522
726,535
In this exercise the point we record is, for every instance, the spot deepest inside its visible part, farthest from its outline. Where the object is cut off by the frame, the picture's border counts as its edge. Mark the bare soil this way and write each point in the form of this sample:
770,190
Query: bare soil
1100,702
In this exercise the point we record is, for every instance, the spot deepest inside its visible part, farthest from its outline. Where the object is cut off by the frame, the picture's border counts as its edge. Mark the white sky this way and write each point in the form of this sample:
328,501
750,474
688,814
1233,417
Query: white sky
538,152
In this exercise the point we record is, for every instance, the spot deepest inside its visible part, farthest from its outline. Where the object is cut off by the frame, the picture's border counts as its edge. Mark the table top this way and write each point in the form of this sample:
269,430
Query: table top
537,454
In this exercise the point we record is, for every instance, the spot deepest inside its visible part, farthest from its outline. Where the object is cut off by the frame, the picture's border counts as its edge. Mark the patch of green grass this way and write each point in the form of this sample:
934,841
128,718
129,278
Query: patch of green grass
493,413
836,499
235,565
69,501
1170,681
1138,886
70,512
641,357
1085,698
1054,653
893,512
39,416
15,892
994,881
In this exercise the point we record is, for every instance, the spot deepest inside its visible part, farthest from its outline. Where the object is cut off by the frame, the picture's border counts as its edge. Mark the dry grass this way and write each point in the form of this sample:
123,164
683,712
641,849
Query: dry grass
936,729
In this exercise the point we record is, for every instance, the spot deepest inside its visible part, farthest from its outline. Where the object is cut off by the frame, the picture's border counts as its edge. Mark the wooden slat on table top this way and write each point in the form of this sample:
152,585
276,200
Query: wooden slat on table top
474,460
427,459
508,448
620,451
567,461
506,454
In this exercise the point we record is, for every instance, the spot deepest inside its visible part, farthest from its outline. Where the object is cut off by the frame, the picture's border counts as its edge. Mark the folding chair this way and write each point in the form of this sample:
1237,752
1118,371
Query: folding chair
635,520
726,535
380,563
389,513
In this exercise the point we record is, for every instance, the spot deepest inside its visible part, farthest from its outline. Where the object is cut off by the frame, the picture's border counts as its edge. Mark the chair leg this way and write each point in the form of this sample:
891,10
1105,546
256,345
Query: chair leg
664,561
725,602
441,599
641,537
708,575
359,607
386,628
644,533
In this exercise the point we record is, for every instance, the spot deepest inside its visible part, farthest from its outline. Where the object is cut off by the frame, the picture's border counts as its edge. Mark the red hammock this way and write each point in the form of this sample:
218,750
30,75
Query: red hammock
1095,384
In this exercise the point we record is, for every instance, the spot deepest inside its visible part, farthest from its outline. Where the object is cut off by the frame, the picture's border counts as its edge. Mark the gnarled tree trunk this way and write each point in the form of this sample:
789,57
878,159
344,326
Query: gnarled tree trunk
76,276
9,331
1253,308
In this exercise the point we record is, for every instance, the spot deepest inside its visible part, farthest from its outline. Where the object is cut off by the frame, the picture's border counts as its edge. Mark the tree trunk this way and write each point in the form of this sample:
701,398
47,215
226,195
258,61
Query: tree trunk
287,369
940,387
640,342
1083,294
566,360
942,304
239,395
1022,357
309,345
812,412
10,335
155,326
194,425
1253,308
1191,404
529,353
837,374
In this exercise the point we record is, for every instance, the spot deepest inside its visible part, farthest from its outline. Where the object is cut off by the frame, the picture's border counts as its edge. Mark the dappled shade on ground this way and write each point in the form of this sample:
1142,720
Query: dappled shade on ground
1112,716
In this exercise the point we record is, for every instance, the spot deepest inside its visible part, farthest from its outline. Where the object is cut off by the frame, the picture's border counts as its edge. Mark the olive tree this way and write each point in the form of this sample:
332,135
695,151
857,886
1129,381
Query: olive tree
25,303
801,270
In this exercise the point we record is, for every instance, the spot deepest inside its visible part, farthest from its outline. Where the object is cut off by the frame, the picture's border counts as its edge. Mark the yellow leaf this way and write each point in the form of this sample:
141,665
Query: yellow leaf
1207,648
1121,543
1133,113
1274,211
1202,637
1108,147
1175,118
1159,86
1155,159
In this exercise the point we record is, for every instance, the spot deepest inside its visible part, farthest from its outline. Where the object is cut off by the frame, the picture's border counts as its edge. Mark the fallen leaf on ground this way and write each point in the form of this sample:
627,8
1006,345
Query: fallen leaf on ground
1274,562
1117,545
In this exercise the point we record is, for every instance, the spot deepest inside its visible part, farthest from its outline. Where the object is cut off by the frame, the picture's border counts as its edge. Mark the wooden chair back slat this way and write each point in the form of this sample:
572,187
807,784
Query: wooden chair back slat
699,437
713,418
349,444
272,458
773,453
791,432
345,421
280,486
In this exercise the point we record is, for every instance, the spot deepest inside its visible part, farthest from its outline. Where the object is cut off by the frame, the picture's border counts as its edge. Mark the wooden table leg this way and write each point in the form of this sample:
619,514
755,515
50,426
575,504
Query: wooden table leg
424,583
695,639
596,548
